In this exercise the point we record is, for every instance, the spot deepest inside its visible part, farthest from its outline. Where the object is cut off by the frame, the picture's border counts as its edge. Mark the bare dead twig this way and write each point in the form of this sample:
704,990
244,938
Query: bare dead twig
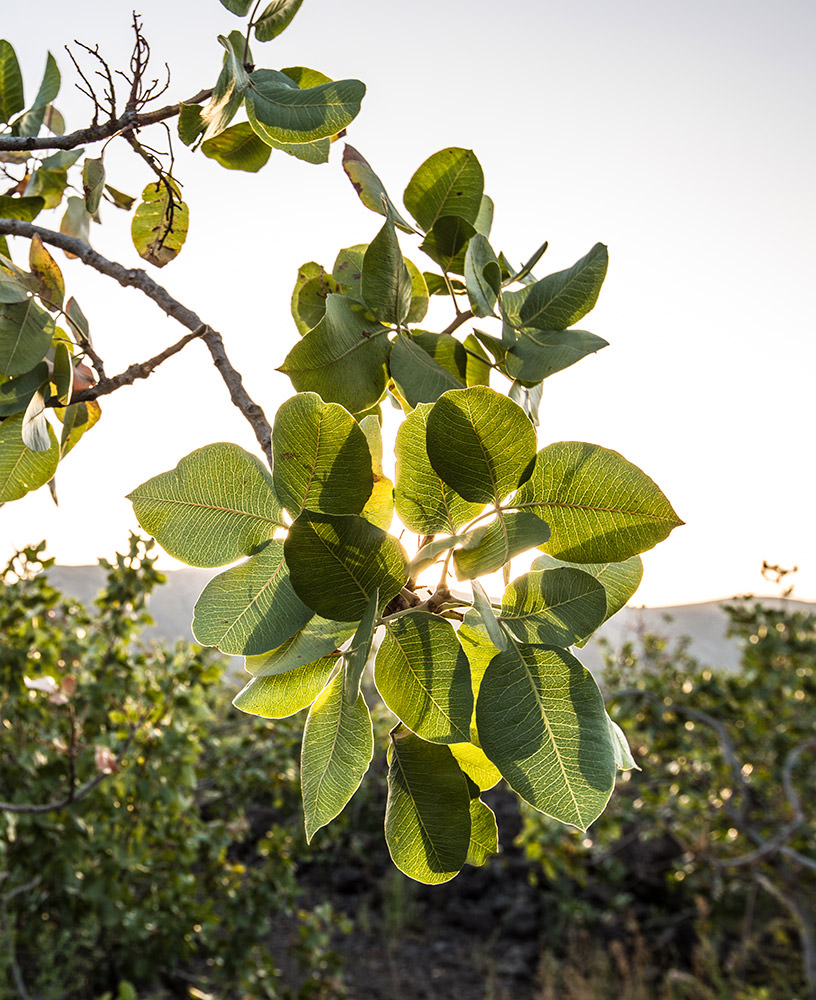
139,279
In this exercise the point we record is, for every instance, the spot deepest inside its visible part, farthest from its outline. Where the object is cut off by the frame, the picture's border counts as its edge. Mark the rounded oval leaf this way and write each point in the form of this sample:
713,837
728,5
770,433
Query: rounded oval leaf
559,607
322,459
337,564
480,443
600,508
450,182
216,506
281,695
423,676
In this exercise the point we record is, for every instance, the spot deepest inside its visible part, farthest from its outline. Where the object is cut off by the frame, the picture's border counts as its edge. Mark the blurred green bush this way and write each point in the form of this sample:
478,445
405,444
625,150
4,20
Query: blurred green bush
147,830
708,854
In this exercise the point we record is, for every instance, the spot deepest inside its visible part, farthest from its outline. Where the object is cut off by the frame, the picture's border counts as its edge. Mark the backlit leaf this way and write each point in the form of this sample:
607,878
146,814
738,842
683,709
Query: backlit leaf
252,608
386,283
427,816
216,506
541,720
312,287
480,443
424,503
11,83
338,744
275,18
46,277
423,676
93,182
370,188
237,148
450,182
338,563
322,460
356,657
484,833
490,547
159,225
23,470
600,507
315,640
26,332
281,695
420,378
558,607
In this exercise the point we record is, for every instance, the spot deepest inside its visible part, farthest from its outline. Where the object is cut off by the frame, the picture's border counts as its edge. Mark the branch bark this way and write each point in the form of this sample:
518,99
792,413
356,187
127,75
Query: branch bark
137,278
127,121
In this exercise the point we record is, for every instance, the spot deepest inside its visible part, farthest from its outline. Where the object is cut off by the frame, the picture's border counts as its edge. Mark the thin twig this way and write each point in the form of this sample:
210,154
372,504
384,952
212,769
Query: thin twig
85,136
462,317
137,278
141,370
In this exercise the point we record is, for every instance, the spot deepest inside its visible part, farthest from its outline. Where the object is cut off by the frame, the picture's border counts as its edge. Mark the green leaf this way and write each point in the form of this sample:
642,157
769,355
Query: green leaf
311,152
425,504
624,760
49,185
312,288
423,676
484,220
620,580
31,122
230,87
386,283
561,299
491,546
379,508
11,83
477,370
282,695
427,815
342,359
484,609
160,222
26,332
275,18
338,563
541,720
338,744
191,123
484,833
420,378
23,470
322,459
16,392
216,506
430,552
419,294
600,507
12,289
26,209
370,188
93,183
558,607
63,374
36,431
480,443
535,355
46,278
239,7
237,148
437,285
289,114
446,243
318,638
482,276
356,657
119,199
77,419
77,321
252,608
450,182
474,763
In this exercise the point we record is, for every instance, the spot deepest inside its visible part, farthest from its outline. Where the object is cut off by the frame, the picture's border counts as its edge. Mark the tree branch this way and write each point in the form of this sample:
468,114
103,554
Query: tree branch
106,386
137,278
126,121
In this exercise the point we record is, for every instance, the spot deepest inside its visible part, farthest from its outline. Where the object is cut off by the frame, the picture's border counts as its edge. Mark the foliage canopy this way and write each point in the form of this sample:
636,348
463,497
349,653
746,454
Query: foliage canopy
481,689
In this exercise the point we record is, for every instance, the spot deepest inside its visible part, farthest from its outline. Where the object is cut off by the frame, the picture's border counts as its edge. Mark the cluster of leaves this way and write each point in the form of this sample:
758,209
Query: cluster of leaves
139,841
45,341
714,839
501,695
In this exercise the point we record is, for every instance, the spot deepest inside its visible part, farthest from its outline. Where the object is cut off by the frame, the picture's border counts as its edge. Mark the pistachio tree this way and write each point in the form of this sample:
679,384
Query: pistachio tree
323,584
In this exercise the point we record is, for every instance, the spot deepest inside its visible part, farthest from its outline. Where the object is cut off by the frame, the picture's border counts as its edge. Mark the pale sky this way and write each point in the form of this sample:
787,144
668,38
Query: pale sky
680,135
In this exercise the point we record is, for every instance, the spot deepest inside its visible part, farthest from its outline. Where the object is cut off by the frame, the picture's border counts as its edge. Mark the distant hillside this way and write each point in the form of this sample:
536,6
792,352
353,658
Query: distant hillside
172,608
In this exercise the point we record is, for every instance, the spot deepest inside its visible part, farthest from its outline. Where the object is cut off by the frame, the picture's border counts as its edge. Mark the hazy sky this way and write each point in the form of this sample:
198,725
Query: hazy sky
680,135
